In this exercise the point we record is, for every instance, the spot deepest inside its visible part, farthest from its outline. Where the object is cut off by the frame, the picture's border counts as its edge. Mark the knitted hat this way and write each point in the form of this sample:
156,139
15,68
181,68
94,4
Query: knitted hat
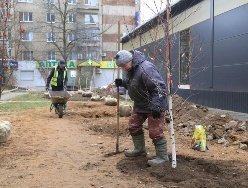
62,62
123,57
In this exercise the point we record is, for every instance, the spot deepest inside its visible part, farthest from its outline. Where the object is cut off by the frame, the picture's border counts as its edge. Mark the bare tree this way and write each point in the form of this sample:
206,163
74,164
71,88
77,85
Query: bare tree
169,82
61,34
64,35
7,40
70,39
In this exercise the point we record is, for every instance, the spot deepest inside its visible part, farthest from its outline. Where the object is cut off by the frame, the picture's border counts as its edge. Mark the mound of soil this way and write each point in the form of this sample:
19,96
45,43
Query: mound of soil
47,151
220,127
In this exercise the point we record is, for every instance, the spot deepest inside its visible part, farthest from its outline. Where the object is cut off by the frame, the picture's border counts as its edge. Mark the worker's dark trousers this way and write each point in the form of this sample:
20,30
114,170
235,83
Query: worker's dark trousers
57,88
155,126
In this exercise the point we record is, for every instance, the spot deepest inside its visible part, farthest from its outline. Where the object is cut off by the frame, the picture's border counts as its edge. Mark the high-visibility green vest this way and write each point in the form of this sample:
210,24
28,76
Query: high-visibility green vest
55,77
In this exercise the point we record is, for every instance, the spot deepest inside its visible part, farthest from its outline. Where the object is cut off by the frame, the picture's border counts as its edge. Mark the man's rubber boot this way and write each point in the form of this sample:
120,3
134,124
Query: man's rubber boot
161,153
139,147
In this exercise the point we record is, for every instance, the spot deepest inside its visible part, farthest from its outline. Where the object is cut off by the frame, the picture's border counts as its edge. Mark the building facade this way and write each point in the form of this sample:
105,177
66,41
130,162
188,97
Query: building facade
72,30
208,51
114,12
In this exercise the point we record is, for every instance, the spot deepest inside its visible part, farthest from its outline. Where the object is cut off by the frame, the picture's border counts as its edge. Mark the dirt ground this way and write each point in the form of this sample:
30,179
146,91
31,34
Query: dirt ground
45,151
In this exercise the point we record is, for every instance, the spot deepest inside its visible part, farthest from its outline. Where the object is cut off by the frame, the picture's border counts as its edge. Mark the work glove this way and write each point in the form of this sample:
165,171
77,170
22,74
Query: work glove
118,82
65,88
156,113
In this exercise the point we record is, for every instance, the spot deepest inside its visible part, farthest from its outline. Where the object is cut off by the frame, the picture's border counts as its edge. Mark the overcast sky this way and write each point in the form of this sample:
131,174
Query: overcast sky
150,8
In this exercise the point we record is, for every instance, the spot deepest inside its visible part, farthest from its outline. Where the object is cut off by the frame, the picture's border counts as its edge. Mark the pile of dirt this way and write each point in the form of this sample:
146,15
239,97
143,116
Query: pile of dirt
102,118
190,172
45,151
91,110
220,127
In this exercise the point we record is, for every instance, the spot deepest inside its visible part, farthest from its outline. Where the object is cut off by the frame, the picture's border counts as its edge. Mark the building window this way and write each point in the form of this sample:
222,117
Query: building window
27,55
5,12
25,16
25,1
26,75
51,55
9,52
90,19
71,18
82,53
95,35
72,2
93,55
51,37
71,37
27,36
3,35
50,17
91,36
73,56
50,2
6,35
91,2
88,52
185,57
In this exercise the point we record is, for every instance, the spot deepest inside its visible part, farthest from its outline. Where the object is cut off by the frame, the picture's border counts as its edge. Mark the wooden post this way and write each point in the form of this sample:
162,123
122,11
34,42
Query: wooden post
169,85
118,97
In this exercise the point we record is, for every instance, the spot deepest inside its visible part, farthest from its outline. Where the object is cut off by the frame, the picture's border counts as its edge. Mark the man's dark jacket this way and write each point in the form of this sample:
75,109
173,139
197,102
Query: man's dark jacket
145,85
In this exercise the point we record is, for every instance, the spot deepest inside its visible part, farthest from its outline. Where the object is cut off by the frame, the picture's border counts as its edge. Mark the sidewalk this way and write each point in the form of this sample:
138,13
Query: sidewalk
8,95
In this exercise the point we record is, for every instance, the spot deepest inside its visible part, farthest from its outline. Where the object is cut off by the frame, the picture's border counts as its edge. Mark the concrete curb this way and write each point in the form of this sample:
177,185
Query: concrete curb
8,91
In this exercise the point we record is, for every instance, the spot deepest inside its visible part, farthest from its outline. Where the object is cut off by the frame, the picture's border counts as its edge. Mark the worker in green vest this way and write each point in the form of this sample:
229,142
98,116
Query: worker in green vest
58,80
58,77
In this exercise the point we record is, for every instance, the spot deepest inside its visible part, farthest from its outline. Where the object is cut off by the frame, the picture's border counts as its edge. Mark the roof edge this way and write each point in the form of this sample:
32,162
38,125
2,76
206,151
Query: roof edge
176,9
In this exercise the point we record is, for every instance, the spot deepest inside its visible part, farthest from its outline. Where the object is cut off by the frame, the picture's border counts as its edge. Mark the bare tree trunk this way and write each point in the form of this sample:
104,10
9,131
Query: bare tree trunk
169,86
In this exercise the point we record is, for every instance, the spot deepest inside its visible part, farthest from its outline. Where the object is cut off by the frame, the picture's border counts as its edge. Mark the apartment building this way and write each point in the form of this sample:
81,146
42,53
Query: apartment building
73,30
114,12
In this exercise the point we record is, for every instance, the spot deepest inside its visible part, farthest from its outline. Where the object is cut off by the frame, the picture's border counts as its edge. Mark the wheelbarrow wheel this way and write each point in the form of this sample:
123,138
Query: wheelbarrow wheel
60,111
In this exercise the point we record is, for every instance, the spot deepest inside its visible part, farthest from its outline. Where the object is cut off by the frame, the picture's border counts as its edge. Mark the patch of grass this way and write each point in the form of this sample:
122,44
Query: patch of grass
23,102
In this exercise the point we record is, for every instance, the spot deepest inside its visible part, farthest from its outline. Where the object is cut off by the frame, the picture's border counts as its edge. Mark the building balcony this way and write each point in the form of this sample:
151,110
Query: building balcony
87,26
82,7
86,43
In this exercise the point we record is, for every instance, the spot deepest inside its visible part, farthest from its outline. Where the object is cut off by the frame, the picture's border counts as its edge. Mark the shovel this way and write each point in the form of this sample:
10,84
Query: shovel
117,151
118,107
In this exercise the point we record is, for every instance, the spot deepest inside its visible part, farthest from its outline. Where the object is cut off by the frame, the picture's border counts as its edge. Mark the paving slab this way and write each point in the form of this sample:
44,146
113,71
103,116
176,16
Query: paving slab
10,95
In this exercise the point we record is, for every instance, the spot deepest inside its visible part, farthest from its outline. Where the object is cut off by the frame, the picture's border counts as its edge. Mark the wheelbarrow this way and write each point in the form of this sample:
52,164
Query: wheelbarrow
59,100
